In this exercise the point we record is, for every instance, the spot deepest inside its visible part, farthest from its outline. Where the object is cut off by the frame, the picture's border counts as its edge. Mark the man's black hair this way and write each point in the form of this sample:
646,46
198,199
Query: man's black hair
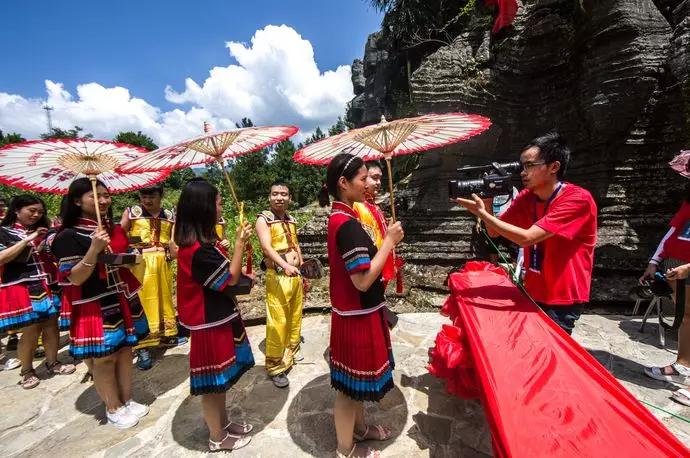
552,148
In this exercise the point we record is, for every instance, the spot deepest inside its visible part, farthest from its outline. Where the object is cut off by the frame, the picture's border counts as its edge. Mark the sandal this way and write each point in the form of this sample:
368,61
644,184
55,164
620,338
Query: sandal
229,442
369,453
682,396
680,374
383,434
58,368
238,428
29,379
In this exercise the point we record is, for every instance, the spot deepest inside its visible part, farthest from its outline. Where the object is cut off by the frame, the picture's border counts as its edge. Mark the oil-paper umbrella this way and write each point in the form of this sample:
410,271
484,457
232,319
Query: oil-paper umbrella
213,147
51,165
395,138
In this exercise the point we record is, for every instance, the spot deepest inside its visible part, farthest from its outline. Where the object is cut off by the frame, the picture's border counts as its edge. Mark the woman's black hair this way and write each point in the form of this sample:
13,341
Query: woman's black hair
70,212
195,219
343,165
21,201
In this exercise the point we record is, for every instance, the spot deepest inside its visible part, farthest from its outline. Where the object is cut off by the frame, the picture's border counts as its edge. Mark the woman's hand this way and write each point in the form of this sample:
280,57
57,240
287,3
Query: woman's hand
244,231
225,243
648,273
100,240
678,273
395,233
41,231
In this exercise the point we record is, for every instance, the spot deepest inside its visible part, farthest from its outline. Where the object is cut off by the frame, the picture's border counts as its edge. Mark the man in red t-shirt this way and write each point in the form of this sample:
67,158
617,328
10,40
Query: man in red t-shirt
556,223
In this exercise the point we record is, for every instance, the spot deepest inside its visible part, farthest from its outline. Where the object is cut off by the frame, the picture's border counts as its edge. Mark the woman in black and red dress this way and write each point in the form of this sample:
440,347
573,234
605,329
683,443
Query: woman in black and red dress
361,357
107,319
220,352
26,272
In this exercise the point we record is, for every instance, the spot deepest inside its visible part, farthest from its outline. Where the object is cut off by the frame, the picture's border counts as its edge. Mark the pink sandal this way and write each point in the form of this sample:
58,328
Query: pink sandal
58,368
383,435
29,379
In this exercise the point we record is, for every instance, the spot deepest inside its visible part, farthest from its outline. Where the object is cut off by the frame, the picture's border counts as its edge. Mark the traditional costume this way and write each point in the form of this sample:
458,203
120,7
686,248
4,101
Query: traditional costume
106,312
361,357
220,351
374,223
154,273
284,299
25,296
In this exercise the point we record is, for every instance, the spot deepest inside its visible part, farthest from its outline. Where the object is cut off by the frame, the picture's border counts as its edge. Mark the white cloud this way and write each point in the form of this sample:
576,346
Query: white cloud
276,81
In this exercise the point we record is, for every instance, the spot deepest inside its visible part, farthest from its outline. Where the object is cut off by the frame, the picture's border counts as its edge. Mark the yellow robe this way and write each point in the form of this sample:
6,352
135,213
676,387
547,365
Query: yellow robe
284,300
154,272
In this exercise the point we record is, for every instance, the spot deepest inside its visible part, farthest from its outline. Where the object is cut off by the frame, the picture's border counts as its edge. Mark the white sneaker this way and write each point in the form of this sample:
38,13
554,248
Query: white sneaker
140,410
122,418
12,363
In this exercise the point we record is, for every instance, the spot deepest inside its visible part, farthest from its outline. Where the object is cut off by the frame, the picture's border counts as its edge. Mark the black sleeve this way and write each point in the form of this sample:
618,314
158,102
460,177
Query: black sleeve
353,245
211,268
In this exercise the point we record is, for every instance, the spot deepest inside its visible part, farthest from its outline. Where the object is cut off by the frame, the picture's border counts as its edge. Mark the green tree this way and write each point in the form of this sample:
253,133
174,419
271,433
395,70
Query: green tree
56,132
6,139
136,139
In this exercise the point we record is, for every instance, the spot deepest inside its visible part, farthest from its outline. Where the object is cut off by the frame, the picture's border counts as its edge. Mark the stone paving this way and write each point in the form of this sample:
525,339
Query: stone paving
64,417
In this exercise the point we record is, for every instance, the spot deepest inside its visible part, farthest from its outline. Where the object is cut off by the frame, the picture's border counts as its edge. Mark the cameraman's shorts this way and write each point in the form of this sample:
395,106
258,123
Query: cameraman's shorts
564,316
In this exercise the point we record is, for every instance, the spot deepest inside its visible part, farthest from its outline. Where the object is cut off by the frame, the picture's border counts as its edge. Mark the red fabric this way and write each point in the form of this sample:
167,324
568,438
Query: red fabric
212,350
507,9
191,310
568,257
543,394
343,294
360,345
678,245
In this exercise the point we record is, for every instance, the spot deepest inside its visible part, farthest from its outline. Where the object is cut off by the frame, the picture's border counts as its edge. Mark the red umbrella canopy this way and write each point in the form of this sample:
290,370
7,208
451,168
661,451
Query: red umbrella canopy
51,165
681,163
216,146
402,136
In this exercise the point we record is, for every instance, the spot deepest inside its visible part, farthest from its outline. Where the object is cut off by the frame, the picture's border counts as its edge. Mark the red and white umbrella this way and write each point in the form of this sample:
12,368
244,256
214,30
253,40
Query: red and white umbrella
681,163
395,138
213,147
51,165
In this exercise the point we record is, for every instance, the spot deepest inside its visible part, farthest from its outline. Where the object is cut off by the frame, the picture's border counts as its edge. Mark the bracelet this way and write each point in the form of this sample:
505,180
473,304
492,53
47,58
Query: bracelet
87,264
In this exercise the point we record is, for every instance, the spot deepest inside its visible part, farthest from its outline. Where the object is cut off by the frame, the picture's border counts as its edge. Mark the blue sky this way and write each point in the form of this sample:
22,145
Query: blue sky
146,45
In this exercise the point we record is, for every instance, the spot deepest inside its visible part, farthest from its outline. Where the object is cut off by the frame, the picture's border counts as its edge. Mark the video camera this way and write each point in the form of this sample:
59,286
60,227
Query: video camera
495,179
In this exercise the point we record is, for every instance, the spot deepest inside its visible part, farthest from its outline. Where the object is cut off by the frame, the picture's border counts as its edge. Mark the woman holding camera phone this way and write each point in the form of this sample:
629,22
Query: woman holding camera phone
107,319
220,352
26,300
673,253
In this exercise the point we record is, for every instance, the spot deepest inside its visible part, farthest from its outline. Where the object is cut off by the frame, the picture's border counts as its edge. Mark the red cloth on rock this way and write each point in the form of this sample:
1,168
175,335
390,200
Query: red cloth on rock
543,394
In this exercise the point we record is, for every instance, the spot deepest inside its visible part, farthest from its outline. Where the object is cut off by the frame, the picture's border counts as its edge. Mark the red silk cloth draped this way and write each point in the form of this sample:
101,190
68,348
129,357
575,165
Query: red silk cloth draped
507,9
543,394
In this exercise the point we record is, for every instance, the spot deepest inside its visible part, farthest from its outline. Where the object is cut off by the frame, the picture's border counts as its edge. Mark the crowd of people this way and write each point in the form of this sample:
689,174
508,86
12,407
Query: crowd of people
64,276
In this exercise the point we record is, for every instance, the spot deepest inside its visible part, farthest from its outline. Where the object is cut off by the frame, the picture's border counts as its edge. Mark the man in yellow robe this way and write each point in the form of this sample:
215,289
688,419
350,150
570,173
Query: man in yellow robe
277,233
150,228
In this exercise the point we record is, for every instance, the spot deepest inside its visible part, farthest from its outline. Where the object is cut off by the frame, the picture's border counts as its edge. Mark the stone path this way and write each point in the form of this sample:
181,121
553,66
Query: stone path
63,417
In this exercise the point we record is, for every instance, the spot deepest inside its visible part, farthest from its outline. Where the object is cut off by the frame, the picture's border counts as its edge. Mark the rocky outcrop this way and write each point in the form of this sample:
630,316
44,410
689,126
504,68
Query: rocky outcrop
612,76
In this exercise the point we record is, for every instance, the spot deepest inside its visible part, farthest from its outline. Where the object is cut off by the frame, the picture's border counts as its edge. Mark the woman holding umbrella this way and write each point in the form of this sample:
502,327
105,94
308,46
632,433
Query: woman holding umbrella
220,352
107,318
361,358
26,301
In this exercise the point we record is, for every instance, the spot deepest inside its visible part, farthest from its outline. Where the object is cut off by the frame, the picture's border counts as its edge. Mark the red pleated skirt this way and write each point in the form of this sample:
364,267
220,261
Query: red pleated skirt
361,356
218,357
24,304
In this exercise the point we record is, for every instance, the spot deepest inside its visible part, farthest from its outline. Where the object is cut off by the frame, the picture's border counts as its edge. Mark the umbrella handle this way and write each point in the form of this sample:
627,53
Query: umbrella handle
390,185
92,178
250,258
